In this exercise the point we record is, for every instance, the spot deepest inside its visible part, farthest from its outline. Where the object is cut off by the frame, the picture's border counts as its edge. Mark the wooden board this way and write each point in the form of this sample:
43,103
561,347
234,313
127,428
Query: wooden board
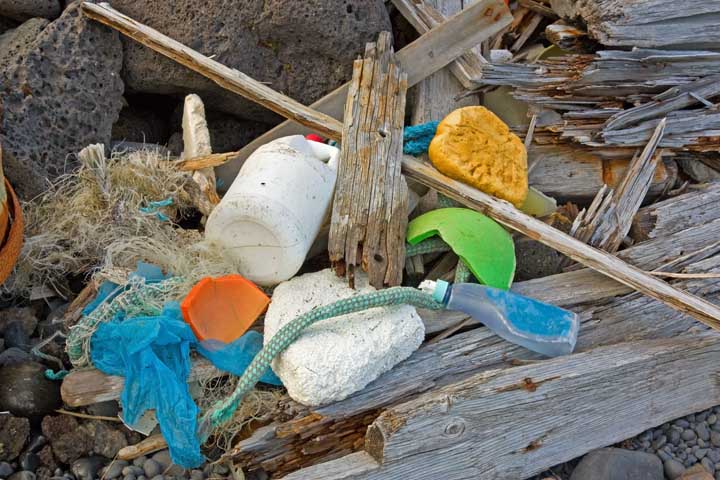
370,208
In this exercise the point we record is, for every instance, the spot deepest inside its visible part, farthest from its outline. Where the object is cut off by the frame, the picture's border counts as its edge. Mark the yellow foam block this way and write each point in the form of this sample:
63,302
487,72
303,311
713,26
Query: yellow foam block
474,146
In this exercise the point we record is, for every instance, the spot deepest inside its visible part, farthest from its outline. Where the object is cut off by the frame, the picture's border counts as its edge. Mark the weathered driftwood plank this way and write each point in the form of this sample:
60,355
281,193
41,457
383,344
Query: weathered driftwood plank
598,260
370,208
431,52
649,23
572,174
608,219
224,76
461,431
676,214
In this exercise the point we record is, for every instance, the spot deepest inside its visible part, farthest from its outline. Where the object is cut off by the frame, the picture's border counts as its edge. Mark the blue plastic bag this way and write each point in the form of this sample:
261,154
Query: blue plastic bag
153,354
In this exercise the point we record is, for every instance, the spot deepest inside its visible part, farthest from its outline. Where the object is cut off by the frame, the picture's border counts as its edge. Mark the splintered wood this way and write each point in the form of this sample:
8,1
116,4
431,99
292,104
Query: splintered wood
370,209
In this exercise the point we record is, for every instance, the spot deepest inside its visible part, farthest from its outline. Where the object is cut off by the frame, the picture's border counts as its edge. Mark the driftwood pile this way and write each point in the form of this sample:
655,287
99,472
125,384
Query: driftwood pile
468,404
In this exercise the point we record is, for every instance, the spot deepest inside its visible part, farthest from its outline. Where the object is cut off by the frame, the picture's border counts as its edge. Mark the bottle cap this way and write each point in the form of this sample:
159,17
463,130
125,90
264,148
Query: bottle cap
441,288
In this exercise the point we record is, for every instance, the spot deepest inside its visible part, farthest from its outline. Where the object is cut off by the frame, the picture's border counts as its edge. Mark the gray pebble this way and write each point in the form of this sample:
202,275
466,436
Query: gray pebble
138,462
197,475
221,469
701,417
142,477
114,470
673,469
6,470
712,419
646,444
708,465
657,434
716,426
674,436
23,475
208,469
646,436
690,461
132,470
688,435
158,477
129,477
58,472
690,418
682,455
659,442
702,431
715,438
701,443
717,476
714,455
152,468
682,423
662,454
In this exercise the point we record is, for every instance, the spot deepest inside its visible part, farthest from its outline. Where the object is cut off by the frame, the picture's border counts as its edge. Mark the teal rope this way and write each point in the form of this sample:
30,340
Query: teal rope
223,410
417,138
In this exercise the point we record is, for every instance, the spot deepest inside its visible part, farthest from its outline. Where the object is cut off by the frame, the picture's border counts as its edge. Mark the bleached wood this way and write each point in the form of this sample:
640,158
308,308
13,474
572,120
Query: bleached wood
676,214
461,431
370,207
151,444
431,52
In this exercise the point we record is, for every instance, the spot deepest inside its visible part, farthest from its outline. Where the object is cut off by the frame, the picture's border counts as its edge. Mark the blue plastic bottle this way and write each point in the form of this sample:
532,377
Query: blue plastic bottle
535,325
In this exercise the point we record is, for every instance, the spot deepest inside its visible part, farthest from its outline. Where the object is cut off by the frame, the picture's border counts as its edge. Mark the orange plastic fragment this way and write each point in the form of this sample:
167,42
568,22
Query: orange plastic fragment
223,308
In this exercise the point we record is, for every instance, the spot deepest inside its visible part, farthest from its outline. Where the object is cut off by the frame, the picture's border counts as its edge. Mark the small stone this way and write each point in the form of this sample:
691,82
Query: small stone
107,440
714,455
140,461
43,473
15,337
152,468
104,409
68,439
690,418
674,436
690,460
129,477
221,469
715,438
692,443
673,469
22,475
663,455
645,444
114,470
25,316
47,458
142,477
158,477
169,469
702,431
14,432
6,470
14,356
659,442
701,443
688,435
712,419
197,475
701,417
36,443
708,465
700,453
58,472
87,468
29,461
682,423
26,392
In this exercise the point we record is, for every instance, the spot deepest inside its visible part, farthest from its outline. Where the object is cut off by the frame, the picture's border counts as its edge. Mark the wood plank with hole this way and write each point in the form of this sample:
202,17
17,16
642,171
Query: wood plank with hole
370,208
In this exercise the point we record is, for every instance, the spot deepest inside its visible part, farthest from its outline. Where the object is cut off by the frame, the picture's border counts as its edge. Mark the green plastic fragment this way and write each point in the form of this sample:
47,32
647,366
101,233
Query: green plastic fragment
486,247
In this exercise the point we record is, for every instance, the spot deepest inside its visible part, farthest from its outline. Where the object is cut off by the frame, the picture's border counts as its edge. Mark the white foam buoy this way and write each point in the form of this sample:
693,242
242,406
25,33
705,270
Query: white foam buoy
274,209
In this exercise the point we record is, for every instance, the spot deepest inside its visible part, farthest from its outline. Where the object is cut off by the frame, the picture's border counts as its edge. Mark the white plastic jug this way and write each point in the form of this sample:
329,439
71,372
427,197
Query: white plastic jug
270,216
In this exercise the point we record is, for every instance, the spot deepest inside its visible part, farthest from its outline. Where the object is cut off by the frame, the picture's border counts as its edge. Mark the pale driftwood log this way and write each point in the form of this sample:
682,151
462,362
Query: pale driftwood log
424,15
598,260
224,76
573,174
608,220
196,143
649,23
370,208
151,444
431,52
675,214
461,431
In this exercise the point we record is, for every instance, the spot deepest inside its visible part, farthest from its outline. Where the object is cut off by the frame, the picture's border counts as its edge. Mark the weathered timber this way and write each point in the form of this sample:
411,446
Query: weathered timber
598,260
224,76
632,317
591,92
608,220
649,23
494,12
424,15
675,214
151,444
370,208
461,431
575,174
431,52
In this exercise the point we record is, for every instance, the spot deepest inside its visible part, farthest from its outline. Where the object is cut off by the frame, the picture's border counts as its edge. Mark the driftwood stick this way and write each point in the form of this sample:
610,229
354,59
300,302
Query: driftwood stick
224,76
610,216
603,262
150,444
370,209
